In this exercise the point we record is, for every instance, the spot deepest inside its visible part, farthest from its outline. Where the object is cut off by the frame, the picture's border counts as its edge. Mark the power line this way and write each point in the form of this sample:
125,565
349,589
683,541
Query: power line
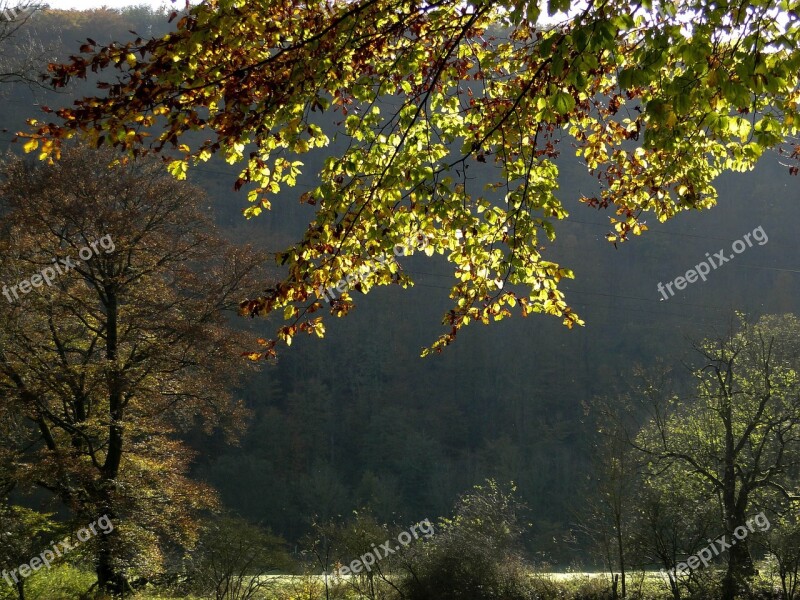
627,310
691,235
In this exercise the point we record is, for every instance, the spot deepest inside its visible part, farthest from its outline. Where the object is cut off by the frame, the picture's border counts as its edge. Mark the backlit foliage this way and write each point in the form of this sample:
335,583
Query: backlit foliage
657,99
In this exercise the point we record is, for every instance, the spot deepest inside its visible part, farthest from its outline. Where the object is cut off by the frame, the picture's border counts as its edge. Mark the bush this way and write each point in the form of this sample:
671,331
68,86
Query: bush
61,582
232,559
476,555
335,545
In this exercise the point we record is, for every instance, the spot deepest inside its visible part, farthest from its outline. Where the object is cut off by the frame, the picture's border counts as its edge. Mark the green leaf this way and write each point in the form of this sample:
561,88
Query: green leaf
563,102
554,6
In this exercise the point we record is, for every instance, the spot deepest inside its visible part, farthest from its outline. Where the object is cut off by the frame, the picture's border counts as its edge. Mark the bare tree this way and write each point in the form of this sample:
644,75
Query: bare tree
606,516
783,544
22,55
233,559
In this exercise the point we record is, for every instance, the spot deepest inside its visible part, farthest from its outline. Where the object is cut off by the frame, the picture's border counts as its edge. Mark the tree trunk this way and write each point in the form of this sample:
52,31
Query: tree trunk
740,567
740,563
621,551
21,589
784,587
109,580
673,586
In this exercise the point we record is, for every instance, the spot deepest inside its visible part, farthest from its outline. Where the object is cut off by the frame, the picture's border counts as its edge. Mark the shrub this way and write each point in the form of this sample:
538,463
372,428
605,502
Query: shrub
232,559
475,555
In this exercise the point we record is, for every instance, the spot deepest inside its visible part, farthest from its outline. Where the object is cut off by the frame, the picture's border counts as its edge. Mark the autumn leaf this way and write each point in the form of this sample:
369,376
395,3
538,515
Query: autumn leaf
647,108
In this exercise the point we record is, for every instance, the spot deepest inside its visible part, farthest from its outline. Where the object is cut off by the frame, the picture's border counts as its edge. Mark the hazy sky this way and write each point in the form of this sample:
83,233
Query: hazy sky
81,4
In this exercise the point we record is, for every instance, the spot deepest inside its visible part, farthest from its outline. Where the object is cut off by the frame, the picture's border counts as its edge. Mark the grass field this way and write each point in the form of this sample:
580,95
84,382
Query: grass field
69,583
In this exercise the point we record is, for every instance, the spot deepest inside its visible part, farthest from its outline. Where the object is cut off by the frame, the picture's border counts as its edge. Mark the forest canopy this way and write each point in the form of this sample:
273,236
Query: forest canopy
656,99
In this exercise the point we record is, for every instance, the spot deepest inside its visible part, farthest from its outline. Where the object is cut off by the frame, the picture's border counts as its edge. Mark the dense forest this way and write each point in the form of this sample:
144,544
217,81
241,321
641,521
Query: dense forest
358,424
